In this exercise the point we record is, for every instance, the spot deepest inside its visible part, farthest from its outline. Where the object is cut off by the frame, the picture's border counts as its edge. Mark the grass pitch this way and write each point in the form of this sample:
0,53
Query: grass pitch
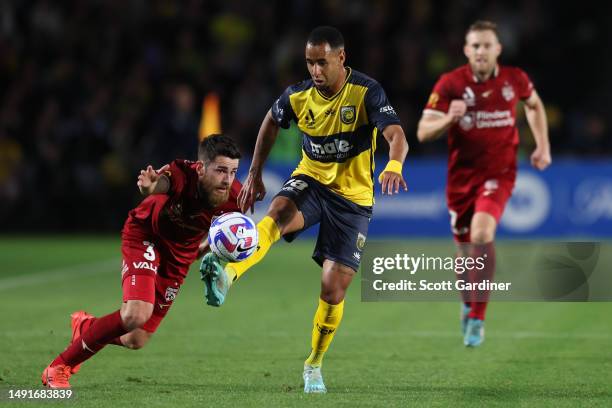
250,351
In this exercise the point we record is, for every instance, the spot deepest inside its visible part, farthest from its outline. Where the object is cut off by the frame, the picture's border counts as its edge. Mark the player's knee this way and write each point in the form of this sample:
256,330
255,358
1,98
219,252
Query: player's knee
482,235
282,211
333,297
134,316
135,320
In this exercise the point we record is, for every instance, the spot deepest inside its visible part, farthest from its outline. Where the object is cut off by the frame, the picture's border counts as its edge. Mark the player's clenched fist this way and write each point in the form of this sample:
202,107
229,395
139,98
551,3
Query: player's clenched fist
148,178
540,158
457,109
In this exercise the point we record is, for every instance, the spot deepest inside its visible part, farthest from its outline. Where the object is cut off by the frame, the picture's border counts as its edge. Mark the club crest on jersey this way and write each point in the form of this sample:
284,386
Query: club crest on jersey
348,114
171,294
508,92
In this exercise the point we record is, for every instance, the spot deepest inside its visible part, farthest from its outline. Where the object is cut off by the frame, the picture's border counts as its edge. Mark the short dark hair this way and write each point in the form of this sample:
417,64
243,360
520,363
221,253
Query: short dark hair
483,25
326,34
217,145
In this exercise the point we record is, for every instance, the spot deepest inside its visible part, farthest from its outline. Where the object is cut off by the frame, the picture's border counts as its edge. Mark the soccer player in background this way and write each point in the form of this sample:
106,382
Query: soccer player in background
160,239
476,104
339,112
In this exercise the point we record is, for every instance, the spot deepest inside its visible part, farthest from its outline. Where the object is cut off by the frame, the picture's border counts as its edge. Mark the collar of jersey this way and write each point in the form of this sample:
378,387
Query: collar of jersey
329,98
475,78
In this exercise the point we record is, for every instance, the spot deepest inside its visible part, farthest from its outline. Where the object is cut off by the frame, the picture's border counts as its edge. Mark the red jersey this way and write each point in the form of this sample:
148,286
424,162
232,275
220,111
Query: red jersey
485,140
179,219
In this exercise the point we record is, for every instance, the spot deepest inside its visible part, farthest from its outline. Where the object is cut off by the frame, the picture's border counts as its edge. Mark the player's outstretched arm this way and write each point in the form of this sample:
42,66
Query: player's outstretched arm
391,177
538,123
431,126
253,188
151,181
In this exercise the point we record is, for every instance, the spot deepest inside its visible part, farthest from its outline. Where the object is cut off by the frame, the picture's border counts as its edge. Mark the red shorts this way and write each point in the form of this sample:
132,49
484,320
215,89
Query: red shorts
142,279
488,195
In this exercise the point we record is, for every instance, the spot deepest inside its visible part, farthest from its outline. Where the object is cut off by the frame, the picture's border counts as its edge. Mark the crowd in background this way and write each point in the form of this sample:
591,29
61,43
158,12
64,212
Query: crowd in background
92,91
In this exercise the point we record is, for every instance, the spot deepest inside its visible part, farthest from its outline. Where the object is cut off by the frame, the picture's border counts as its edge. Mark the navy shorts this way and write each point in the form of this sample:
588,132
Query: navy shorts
343,224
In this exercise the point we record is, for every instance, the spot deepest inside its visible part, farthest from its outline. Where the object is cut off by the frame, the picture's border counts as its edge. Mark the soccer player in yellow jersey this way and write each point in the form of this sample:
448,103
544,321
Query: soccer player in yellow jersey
339,112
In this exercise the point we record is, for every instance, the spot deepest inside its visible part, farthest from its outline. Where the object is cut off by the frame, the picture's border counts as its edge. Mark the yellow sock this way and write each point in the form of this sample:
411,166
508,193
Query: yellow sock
325,322
268,234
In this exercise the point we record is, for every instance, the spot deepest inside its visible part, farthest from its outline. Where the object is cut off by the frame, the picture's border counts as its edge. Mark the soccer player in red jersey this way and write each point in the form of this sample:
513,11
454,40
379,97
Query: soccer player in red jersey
476,104
160,239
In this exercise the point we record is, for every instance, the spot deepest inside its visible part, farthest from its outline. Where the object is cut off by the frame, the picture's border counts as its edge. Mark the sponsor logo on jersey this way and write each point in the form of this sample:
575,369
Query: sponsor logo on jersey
339,148
488,93
467,121
348,114
486,119
330,111
145,265
469,96
278,109
86,347
310,119
388,110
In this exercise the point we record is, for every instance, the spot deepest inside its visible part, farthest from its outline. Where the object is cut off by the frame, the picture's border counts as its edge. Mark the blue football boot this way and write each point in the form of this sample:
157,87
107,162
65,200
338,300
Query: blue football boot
465,311
216,281
474,334
313,380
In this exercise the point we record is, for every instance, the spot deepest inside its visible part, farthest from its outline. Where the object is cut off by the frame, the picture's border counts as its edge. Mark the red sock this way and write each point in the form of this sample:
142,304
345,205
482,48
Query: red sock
101,332
478,310
479,307
87,324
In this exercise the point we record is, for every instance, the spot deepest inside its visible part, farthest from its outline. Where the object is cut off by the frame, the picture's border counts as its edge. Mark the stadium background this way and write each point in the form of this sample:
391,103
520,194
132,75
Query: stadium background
90,92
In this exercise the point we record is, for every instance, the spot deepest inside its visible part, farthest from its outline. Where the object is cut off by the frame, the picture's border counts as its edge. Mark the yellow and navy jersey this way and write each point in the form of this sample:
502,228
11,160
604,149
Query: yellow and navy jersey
338,132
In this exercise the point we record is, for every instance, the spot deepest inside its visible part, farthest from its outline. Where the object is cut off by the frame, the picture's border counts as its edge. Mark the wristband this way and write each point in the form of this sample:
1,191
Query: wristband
393,166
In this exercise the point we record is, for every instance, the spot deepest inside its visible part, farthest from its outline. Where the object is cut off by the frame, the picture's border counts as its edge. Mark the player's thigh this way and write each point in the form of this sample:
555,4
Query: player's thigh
483,227
302,195
135,313
461,211
141,260
489,206
286,214
166,290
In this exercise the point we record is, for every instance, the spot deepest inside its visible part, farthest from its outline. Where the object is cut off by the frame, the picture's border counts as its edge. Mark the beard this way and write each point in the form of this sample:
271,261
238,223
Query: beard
212,196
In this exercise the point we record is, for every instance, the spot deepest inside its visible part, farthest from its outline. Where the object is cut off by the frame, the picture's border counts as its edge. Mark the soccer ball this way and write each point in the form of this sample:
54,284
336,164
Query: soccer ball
233,237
